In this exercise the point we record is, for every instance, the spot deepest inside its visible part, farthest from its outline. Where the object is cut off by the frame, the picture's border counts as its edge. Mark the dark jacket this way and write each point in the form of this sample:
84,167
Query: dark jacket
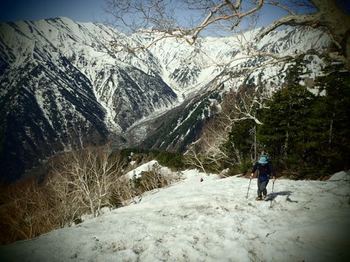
264,171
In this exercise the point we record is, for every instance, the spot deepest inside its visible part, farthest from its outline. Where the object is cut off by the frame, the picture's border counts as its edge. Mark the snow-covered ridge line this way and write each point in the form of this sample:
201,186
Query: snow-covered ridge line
184,68
209,221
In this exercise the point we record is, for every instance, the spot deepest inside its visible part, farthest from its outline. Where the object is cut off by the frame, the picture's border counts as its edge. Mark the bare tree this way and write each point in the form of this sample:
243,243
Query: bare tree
25,211
243,105
214,136
84,180
123,192
152,179
208,151
237,106
194,157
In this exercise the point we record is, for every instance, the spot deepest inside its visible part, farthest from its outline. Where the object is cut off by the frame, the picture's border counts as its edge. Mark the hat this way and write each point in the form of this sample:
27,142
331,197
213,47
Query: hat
263,160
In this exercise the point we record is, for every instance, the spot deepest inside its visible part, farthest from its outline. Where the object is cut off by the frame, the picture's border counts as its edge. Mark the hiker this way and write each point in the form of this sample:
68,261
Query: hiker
265,170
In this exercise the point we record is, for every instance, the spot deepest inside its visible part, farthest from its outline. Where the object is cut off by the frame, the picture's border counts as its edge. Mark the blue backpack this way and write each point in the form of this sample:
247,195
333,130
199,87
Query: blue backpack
264,172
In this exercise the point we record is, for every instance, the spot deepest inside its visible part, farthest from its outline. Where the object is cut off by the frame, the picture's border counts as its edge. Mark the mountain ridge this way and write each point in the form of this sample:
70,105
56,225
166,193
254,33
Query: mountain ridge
84,91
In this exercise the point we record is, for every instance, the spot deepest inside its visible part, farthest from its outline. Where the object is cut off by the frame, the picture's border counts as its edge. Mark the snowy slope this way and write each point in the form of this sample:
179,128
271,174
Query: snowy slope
149,166
209,221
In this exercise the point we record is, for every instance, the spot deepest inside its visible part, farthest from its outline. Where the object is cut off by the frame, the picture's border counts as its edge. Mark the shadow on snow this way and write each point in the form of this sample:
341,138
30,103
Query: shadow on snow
273,195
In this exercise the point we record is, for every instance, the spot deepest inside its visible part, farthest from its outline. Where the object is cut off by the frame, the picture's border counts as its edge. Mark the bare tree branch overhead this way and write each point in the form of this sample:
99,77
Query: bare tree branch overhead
160,16
329,17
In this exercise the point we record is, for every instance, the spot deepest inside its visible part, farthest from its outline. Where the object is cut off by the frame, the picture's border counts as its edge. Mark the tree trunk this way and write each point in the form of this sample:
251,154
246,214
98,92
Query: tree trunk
286,142
333,17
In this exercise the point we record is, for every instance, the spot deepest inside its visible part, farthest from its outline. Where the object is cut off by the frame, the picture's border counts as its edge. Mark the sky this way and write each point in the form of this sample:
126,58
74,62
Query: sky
79,10
89,11
94,10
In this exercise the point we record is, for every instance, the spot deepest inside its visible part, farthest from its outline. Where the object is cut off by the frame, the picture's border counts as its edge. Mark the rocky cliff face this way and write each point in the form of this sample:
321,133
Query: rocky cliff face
63,85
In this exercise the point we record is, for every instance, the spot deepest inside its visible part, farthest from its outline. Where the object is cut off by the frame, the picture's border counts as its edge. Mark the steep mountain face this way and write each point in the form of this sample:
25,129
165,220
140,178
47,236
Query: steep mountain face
178,127
51,115
63,85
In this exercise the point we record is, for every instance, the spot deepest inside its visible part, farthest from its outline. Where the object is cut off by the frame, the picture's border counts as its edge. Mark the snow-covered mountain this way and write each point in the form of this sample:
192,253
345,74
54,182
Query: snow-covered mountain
209,221
64,85
219,65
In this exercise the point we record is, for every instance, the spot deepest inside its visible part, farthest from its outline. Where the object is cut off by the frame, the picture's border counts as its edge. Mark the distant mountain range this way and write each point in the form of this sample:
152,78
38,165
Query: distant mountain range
64,85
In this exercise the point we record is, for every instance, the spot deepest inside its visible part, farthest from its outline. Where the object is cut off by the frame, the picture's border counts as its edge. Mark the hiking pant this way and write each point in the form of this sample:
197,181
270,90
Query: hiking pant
262,187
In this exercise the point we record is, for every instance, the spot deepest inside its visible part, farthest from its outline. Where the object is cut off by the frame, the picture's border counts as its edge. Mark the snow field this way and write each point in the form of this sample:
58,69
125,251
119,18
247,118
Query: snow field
209,221
149,166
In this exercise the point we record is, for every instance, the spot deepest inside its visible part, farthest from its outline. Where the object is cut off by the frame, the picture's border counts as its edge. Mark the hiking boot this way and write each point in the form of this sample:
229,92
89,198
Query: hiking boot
264,196
258,198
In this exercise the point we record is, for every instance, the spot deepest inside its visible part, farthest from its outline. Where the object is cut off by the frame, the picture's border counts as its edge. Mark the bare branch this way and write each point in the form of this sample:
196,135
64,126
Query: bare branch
292,20
281,6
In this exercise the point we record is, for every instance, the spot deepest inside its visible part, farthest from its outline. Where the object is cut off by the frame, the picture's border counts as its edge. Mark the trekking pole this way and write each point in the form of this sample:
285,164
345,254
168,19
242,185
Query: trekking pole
273,184
250,180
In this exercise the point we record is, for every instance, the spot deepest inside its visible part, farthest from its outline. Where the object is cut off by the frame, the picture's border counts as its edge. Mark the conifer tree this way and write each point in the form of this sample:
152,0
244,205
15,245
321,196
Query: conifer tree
331,118
307,133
